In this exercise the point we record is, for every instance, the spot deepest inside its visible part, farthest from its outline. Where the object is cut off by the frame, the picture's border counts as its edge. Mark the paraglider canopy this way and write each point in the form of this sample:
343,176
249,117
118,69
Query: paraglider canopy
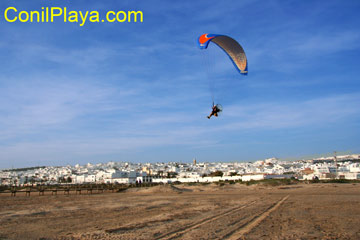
231,47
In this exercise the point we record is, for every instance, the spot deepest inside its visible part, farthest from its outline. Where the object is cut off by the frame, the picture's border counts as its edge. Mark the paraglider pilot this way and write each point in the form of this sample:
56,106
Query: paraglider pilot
214,111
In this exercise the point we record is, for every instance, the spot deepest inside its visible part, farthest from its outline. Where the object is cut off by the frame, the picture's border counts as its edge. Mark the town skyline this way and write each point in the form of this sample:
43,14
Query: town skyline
333,167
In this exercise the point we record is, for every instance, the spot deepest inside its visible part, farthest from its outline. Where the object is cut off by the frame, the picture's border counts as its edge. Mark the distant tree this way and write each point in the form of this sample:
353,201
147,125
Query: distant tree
315,179
69,180
32,180
171,174
62,180
216,174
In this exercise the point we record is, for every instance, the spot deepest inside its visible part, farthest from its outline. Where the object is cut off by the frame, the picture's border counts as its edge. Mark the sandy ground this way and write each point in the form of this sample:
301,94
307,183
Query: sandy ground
302,211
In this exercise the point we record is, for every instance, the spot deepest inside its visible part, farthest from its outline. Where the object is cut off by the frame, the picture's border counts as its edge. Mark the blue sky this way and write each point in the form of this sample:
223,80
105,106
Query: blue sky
140,92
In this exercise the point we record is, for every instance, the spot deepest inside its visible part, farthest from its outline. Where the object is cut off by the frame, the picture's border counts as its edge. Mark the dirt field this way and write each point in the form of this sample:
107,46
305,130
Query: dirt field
302,211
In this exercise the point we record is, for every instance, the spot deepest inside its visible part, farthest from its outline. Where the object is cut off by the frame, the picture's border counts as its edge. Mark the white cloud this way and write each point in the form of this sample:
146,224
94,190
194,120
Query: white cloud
328,42
317,111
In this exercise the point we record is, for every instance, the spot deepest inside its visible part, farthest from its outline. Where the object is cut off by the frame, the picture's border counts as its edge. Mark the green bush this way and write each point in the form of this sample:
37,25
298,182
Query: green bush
340,181
191,184
204,183
315,180
271,182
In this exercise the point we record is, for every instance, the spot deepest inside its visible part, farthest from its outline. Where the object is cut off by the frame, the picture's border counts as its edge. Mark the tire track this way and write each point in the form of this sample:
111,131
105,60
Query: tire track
246,228
187,228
